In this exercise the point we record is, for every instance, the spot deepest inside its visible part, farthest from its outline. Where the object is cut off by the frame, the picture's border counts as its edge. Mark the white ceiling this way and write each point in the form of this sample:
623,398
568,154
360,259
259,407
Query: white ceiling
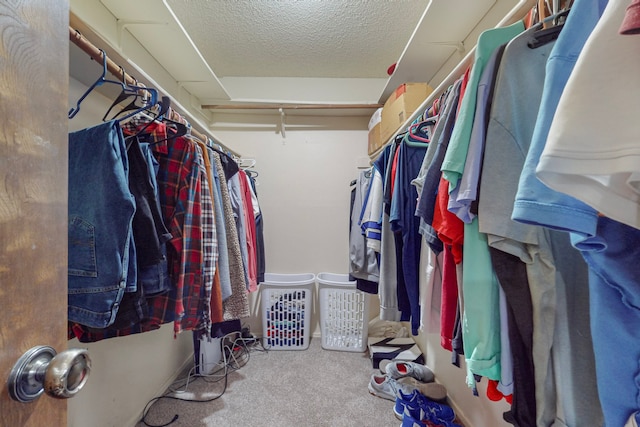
300,38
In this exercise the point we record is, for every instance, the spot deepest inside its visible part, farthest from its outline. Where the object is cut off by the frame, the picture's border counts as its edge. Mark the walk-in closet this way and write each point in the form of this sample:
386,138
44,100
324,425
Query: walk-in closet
320,213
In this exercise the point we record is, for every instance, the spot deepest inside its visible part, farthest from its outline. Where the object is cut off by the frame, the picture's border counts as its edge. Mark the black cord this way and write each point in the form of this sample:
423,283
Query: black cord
232,363
176,416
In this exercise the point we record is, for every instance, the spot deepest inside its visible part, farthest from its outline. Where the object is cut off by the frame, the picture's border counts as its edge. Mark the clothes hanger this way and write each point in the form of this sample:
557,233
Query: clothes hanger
220,150
420,127
251,163
151,104
180,128
413,139
73,111
551,25
126,94
102,79
545,33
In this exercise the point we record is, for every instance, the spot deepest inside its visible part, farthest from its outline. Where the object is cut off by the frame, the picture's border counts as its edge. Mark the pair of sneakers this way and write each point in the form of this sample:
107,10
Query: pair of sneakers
416,410
405,376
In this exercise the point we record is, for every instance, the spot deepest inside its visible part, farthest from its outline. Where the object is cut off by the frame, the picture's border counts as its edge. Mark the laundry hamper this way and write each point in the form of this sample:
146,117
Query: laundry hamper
286,305
344,313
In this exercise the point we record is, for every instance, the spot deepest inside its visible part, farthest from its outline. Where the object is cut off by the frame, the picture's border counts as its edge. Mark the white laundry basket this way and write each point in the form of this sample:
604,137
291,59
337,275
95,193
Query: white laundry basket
286,306
344,313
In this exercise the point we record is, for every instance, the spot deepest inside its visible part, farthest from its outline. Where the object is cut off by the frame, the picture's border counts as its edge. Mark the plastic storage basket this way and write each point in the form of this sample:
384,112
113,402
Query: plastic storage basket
344,313
286,305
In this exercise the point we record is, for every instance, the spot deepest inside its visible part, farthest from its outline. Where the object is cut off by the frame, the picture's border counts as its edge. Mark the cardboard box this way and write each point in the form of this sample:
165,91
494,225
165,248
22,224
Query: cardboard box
375,139
375,118
400,105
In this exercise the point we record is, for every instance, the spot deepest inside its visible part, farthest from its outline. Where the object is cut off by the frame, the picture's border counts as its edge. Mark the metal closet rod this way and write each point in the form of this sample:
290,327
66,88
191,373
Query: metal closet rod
518,12
96,54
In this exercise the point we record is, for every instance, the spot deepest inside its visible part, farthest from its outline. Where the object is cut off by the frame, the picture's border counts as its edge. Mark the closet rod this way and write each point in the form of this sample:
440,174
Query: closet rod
518,12
96,54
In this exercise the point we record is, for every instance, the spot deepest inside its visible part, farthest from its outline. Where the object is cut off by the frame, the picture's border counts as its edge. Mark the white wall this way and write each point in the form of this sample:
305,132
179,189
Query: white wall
303,188
126,372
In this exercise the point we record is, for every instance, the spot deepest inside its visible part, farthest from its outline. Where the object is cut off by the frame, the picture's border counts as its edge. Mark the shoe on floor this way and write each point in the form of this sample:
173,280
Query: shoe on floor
387,388
400,369
632,422
421,408
409,421
434,391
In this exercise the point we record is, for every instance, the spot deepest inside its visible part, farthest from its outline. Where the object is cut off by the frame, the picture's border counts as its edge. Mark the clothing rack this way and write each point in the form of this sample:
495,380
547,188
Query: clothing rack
520,10
116,70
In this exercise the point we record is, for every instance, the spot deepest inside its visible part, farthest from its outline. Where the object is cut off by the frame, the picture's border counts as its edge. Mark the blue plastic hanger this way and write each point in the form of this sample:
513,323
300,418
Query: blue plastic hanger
101,80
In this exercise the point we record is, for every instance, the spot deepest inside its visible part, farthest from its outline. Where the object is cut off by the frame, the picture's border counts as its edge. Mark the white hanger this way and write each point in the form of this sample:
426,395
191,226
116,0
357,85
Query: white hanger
246,163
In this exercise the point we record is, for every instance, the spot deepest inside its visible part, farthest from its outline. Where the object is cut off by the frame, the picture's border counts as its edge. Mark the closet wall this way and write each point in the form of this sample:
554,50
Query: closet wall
303,188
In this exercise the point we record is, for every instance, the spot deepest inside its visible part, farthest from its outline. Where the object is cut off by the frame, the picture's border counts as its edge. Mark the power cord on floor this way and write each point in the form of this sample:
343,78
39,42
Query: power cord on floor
236,351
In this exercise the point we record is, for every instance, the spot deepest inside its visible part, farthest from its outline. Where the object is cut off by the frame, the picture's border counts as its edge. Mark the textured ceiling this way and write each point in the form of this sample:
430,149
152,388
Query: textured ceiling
304,38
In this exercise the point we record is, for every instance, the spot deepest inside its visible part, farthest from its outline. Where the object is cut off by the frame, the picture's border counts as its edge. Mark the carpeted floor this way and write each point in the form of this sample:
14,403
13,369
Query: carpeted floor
313,387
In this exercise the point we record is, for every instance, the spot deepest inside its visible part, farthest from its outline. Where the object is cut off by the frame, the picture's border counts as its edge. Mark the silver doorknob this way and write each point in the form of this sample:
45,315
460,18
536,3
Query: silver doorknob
41,370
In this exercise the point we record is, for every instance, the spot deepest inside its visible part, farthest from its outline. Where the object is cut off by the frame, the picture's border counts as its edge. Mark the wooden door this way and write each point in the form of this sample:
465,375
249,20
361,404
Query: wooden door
34,81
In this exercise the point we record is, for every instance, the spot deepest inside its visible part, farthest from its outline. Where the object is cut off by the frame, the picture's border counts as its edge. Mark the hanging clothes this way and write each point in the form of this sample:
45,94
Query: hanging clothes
222,272
101,210
178,278
375,223
404,223
463,203
363,262
211,301
250,231
607,245
237,305
257,212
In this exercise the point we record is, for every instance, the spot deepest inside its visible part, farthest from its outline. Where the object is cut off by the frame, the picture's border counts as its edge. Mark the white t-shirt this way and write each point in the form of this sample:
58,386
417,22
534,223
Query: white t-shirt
593,148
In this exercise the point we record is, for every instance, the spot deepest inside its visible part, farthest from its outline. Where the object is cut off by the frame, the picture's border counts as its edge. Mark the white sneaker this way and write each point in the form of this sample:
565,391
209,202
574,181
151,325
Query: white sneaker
399,369
386,388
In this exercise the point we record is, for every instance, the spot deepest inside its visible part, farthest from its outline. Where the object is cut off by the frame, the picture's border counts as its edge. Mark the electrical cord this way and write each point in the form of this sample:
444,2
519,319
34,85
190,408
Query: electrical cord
236,354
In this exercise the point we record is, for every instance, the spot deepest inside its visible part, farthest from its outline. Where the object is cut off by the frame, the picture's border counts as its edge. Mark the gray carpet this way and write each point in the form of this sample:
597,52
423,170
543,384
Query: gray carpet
313,387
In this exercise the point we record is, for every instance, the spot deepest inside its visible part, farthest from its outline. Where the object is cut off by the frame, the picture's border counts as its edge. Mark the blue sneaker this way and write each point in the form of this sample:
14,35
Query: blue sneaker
418,407
409,421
